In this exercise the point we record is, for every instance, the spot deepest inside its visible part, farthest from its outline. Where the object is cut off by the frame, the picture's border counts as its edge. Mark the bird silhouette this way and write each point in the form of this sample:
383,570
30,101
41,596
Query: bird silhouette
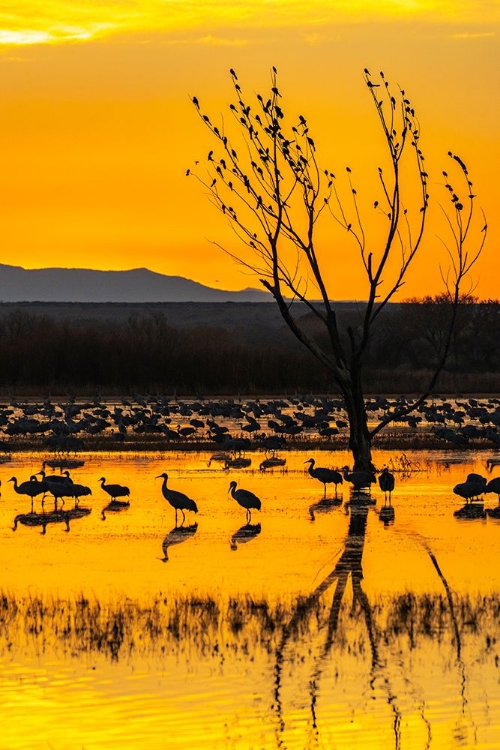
360,480
30,489
177,500
114,490
386,483
470,490
246,499
63,478
494,486
325,476
177,535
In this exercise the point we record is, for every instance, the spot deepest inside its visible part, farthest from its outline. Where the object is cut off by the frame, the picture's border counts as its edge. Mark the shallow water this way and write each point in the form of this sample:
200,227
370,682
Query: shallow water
342,631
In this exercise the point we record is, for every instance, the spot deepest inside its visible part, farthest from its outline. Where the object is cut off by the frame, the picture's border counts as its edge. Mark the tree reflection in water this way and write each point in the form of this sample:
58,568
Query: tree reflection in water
415,655
349,567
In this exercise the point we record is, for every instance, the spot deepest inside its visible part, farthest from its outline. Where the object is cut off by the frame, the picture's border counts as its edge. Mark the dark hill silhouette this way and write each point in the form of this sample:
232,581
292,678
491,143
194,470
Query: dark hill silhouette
18,284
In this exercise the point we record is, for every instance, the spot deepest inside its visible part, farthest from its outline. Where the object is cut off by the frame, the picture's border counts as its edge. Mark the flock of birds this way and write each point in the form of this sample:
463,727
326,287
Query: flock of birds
61,486
232,423
472,491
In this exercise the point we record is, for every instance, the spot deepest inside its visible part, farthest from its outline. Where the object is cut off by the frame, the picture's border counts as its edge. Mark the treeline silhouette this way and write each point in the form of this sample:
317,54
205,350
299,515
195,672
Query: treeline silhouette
42,353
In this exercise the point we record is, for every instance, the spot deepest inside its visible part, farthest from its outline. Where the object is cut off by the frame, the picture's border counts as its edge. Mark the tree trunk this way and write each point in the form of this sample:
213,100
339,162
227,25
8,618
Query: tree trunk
359,435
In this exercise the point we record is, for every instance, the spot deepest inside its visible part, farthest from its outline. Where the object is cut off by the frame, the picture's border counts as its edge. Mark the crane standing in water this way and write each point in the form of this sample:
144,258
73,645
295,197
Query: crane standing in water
360,480
177,500
386,483
30,489
246,499
325,476
114,490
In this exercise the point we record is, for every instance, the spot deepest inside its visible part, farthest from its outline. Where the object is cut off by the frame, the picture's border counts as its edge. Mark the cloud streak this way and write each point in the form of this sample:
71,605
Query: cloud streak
59,21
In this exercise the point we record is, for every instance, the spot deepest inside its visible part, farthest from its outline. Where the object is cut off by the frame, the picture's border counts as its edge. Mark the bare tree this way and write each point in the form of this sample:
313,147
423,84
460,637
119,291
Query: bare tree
267,181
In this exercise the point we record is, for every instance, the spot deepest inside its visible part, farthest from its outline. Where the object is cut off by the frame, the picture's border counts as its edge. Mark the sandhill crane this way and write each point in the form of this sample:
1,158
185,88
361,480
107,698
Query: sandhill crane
494,486
78,490
177,500
470,490
360,480
246,499
63,478
325,476
30,489
386,483
114,490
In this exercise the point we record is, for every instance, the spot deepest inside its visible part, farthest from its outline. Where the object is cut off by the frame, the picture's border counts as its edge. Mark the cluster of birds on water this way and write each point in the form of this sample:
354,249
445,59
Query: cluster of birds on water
235,424
62,486
472,491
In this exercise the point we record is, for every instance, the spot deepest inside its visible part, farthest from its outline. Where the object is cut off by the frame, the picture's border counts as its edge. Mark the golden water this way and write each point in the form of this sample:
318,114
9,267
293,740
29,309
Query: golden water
338,632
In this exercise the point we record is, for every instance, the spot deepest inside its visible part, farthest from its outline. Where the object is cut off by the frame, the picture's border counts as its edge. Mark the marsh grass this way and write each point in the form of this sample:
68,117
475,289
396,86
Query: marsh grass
204,626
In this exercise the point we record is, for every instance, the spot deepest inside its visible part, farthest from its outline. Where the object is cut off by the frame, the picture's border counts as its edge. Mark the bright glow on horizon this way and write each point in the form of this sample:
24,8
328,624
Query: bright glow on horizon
97,128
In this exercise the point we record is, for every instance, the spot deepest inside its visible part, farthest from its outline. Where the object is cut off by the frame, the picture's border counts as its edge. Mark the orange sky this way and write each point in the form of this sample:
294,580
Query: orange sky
97,127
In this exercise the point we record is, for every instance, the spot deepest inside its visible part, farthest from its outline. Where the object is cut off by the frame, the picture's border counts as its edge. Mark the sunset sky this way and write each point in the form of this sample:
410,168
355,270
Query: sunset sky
98,129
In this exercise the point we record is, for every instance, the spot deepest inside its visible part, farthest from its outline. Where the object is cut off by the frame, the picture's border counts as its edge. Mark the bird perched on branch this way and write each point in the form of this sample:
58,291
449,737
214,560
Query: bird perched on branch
177,500
324,475
246,499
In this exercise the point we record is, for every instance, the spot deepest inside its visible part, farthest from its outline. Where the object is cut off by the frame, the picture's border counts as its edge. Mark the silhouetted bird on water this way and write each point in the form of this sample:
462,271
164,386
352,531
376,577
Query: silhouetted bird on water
177,500
494,486
386,482
246,499
114,490
30,489
470,490
360,480
325,476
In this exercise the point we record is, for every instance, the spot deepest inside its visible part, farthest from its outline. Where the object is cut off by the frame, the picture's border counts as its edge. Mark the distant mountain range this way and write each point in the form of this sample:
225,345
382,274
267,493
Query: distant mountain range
18,284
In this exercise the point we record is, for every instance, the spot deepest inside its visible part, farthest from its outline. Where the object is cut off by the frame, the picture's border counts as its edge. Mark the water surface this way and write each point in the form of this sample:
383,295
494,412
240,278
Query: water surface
361,628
